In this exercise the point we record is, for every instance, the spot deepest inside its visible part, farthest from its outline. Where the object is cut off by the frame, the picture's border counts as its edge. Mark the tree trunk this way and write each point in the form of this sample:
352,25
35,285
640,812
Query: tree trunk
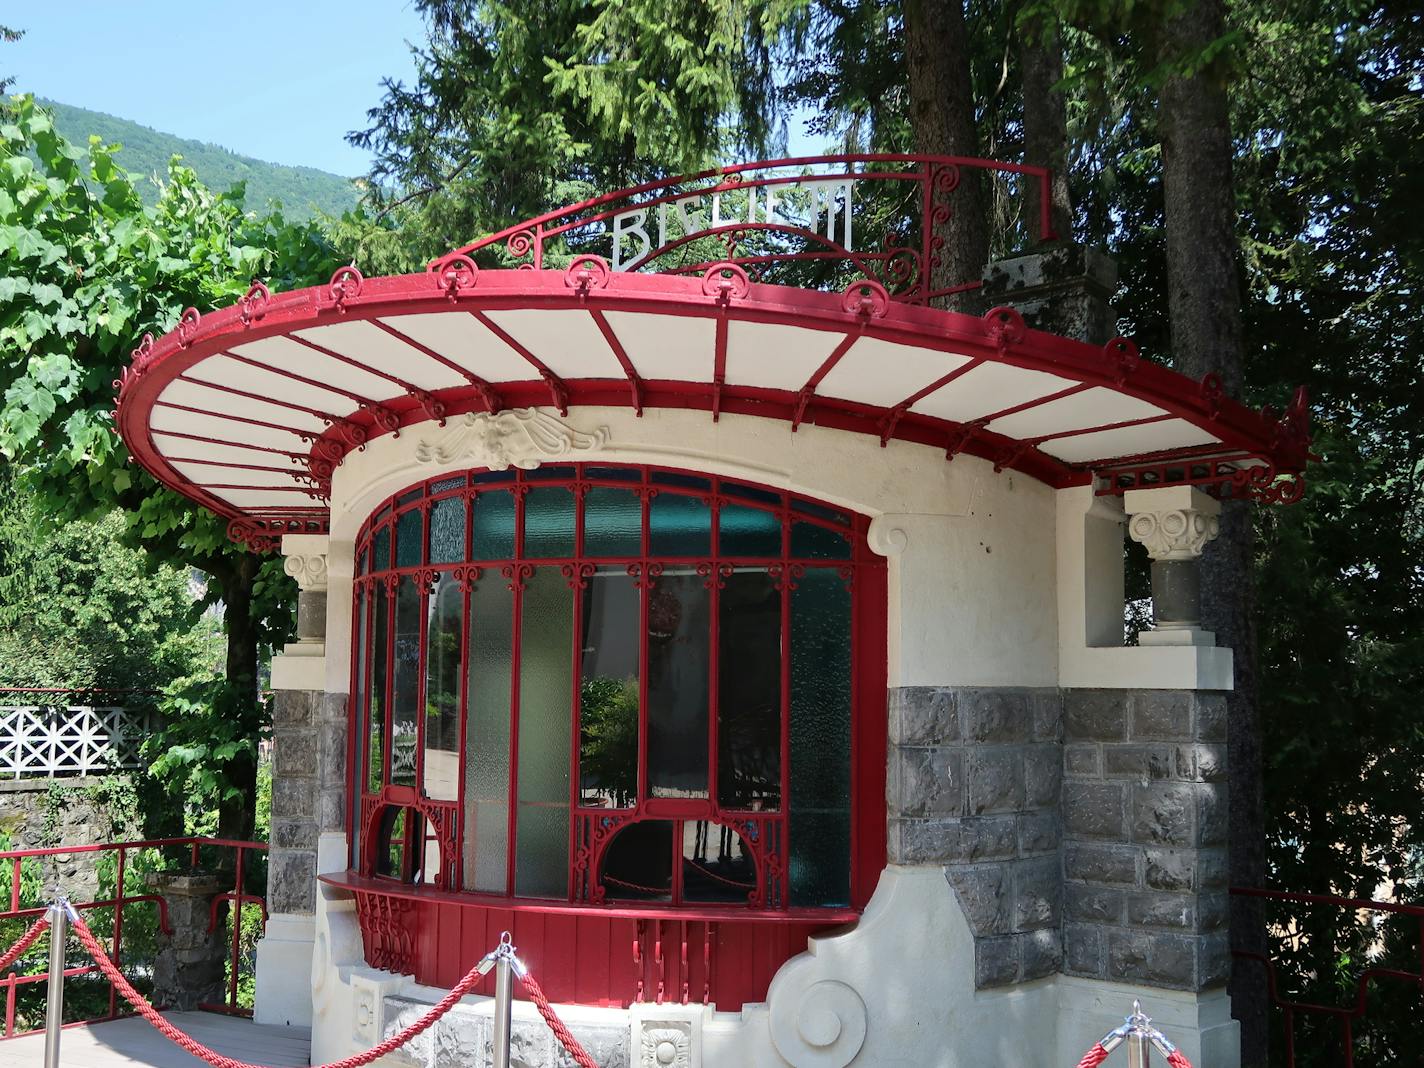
942,118
237,814
1045,120
1204,302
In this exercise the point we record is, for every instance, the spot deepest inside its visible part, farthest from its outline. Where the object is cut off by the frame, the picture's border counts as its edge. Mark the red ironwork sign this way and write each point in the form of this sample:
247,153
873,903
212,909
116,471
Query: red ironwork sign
816,222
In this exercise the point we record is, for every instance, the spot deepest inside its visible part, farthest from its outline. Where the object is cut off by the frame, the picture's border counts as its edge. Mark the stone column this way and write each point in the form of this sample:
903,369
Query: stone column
190,968
1173,523
300,741
1064,290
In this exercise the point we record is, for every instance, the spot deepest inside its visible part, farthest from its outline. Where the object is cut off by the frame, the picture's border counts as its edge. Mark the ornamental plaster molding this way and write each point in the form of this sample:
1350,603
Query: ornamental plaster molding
520,438
309,569
665,1044
1175,533
885,538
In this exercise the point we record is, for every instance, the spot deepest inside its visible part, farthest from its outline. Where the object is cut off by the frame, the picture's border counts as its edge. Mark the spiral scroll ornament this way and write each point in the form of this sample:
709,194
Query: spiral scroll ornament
822,1025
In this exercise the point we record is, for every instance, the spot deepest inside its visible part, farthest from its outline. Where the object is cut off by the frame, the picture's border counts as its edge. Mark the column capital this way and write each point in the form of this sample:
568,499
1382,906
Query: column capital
306,561
1172,522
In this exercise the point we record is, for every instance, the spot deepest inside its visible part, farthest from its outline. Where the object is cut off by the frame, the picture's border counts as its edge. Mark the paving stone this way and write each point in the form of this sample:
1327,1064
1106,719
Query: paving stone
1164,814
1083,950
1094,715
1094,810
996,961
996,780
1108,865
983,893
923,715
995,715
1166,960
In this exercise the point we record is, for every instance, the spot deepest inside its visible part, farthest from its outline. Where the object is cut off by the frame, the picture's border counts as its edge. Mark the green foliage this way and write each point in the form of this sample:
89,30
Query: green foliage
608,726
299,192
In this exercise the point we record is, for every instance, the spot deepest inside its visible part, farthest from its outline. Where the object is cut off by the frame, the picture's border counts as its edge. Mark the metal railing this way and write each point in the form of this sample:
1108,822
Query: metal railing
27,879
1363,958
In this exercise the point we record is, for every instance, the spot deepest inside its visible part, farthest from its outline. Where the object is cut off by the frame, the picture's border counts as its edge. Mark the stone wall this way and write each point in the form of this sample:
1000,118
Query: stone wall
1144,837
308,792
973,785
85,810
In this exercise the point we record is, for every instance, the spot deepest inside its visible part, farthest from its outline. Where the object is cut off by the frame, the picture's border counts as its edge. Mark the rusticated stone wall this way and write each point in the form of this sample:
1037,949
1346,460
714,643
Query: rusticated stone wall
308,792
973,784
1144,837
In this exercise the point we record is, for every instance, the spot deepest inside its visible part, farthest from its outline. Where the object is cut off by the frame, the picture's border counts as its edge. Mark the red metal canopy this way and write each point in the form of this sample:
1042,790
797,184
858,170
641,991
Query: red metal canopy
248,410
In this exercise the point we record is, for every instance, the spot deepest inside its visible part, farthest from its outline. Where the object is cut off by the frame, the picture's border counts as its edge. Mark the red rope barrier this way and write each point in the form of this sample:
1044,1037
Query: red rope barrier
1093,1057
26,941
1178,1059
561,1032
145,1009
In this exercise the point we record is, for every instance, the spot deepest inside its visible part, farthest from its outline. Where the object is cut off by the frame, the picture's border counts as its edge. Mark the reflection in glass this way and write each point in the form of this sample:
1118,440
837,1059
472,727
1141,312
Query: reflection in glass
549,523
486,844
375,751
445,630
679,634
820,739
612,522
391,843
717,866
405,689
749,692
637,865
545,729
746,531
493,526
608,690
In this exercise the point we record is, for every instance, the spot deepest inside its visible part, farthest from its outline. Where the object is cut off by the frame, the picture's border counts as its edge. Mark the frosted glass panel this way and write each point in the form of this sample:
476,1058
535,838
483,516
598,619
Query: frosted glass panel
447,531
545,729
679,613
749,531
405,690
445,629
820,739
549,523
679,526
493,520
381,549
380,658
612,522
486,846
749,692
608,690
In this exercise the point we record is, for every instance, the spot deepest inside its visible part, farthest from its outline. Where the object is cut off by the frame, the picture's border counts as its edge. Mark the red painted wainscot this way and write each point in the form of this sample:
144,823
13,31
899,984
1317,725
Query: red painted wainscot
585,955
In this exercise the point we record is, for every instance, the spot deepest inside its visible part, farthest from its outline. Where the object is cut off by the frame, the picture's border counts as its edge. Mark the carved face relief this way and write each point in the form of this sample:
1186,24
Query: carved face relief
520,438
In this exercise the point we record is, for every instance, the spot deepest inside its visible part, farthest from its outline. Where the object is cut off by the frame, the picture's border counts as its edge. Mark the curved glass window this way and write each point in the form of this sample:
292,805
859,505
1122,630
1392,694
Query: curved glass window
611,684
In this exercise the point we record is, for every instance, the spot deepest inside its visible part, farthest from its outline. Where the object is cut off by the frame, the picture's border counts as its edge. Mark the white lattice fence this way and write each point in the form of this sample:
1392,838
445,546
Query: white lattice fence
38,741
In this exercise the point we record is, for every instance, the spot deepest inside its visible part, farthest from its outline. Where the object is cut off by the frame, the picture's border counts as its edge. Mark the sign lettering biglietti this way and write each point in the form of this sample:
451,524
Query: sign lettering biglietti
819,205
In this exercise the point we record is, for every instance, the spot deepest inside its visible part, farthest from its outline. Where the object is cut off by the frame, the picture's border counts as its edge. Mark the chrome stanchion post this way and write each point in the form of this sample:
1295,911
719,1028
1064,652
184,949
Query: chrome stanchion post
54,1004
1139,1044
503,1001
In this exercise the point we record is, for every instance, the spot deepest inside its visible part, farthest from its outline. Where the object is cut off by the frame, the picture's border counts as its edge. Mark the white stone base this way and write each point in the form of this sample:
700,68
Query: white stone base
283,971
894,989
1176,636
1200,1024
300,666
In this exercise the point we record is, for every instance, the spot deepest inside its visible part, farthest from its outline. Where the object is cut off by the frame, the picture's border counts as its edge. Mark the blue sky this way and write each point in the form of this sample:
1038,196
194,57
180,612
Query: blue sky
281,82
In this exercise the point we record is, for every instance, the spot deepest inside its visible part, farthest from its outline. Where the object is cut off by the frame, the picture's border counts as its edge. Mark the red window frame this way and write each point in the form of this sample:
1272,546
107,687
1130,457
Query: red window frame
592,829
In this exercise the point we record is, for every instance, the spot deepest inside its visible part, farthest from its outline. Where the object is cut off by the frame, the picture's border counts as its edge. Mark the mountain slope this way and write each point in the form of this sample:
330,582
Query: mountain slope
302,191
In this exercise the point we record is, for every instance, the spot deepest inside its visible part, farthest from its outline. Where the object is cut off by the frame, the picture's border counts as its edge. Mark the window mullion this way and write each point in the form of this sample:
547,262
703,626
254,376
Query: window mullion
516,579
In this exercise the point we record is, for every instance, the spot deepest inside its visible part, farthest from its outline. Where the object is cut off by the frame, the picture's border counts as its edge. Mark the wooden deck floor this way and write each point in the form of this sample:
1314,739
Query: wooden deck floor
132,1042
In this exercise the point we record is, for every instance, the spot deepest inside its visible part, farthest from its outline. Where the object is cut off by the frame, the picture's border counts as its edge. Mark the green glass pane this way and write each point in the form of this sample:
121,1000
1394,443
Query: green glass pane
545,727
746,531
445,631
810,542
380,629
749,692
612,522
409,538
679,635
679,526
381,549
405,687
614,474
491,631
608,691
447,531
493,520
820,739
446,484
549,523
